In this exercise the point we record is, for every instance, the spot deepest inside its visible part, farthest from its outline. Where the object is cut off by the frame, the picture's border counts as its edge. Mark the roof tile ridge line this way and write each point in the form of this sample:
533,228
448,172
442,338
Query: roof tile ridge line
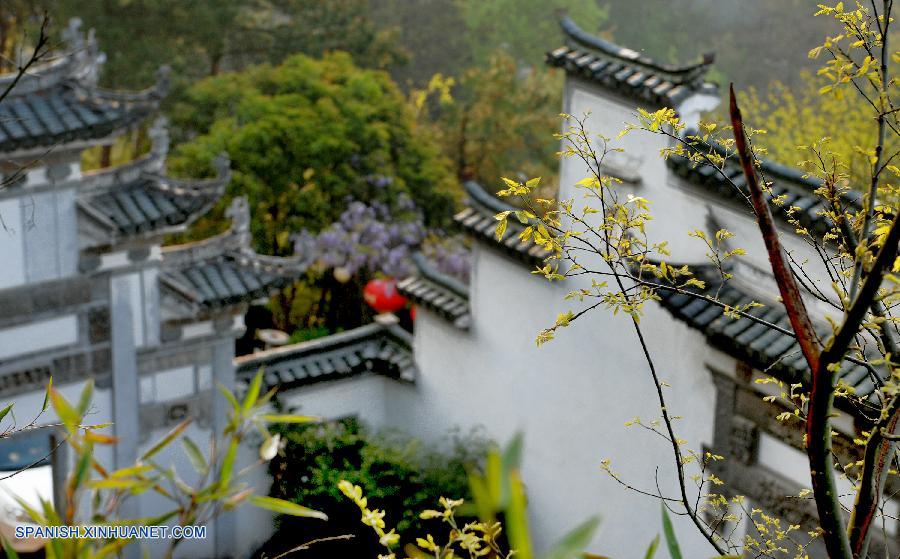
780,170
429,272
40,78
348,337
81,56
195,187
280,265
185,292
585,39
150,96
203,249
484,200
96,180
97,215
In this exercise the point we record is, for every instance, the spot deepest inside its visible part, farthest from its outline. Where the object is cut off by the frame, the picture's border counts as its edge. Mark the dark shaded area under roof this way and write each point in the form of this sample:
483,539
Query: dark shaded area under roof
626,71
446,296
764,348
383,349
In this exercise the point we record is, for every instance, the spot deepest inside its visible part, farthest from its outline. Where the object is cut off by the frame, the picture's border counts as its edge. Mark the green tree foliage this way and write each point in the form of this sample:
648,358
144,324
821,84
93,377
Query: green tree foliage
303,137
523,27
397,472
500,121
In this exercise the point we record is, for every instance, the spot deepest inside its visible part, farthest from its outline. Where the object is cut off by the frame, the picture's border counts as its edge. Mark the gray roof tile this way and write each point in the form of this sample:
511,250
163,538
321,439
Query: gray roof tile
383,349
628,72
762,347
478,220
433,290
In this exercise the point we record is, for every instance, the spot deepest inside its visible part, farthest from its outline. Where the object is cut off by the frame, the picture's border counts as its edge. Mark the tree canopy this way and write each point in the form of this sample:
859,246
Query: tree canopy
304,137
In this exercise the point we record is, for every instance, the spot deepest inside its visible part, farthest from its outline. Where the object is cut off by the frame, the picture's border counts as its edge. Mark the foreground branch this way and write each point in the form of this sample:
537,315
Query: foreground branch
821,398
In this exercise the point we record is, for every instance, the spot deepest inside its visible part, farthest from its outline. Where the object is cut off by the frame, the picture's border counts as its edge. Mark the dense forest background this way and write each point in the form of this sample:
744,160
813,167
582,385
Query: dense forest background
415,39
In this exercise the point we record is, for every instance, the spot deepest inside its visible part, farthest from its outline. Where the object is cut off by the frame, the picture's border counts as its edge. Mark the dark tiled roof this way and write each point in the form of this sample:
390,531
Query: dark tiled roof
785,181
59,101
756,344
153,203
478,220
384,349
64,114
442,294
626,71
224,270
229,279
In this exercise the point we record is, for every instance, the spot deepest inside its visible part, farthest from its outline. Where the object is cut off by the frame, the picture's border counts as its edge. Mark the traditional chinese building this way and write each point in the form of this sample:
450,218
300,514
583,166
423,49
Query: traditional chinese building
88,291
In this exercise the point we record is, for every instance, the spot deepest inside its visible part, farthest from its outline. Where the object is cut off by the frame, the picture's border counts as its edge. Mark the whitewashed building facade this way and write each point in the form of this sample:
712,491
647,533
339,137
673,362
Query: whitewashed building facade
87,290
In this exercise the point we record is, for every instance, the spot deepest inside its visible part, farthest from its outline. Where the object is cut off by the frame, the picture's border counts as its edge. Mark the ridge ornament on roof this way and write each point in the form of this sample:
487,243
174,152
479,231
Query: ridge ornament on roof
626,71
59,101
224,270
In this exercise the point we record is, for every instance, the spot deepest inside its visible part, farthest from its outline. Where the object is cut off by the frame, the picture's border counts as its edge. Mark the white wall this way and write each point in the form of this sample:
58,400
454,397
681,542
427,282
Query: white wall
38,240
39,335
570,398
12,251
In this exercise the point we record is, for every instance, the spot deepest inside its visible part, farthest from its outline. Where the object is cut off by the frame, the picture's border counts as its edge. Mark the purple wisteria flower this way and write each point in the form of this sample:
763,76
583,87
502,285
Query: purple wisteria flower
376,238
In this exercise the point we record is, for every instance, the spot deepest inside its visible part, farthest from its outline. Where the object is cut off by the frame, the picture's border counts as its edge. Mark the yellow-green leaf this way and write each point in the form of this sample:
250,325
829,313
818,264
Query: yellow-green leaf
285,507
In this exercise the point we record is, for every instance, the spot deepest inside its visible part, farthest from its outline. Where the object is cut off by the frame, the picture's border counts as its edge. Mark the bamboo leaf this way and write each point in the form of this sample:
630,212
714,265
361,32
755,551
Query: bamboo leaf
517,519
99,438
230,397
651,551
87,393
572,544
47,395
194,455
65,411
83,467
170,436
289,418
253,391
285,507
669,532
228,463
8,550
5,411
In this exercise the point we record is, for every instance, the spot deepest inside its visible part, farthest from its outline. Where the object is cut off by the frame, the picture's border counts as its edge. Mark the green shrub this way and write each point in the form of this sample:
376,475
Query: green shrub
399,474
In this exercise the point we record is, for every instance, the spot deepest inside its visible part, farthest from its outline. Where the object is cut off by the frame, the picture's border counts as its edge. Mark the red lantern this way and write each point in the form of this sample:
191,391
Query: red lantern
382,295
